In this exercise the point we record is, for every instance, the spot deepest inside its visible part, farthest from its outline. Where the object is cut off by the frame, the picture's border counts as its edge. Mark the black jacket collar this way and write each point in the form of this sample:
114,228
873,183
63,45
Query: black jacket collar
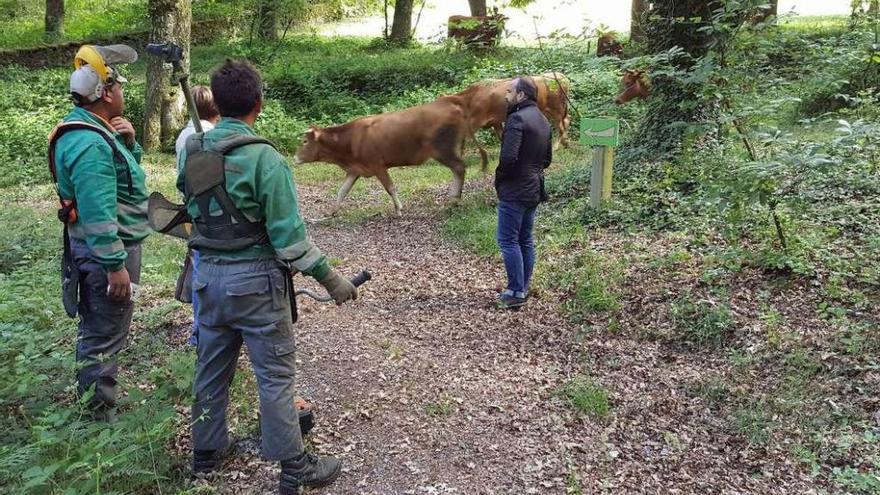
519,106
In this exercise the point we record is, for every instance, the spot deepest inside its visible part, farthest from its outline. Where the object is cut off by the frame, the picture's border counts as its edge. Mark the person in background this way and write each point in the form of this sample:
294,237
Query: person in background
209,115
526,150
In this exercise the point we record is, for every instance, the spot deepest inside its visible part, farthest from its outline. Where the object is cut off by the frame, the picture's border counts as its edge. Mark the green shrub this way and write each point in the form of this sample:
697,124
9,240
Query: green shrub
754,422
338,80
34,104
25,243
473,225
586,396
844,69
701,322
589,281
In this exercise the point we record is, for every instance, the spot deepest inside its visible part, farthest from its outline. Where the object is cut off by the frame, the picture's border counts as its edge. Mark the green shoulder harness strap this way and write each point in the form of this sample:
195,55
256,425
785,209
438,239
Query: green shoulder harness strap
205,184
68,206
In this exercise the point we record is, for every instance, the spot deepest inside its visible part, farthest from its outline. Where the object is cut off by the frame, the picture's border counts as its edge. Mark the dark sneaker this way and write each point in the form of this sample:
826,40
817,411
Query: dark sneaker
307,471
510,302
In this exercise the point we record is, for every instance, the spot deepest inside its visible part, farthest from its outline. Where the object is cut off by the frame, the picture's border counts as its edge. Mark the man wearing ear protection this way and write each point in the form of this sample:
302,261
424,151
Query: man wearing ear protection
95,162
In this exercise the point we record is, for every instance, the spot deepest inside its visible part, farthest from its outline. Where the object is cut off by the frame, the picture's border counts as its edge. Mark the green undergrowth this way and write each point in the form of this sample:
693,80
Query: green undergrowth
473,224
587,397
22,22
309,80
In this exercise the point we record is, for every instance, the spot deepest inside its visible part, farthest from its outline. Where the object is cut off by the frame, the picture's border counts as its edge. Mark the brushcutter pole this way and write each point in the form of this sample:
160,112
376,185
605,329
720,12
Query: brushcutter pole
173,54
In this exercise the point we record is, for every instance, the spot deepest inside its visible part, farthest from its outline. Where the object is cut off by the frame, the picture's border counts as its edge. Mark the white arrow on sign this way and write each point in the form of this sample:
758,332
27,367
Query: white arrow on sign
606,133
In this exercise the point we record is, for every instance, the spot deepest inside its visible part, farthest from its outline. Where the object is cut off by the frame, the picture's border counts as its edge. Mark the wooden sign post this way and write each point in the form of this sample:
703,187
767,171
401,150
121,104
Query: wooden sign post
603,135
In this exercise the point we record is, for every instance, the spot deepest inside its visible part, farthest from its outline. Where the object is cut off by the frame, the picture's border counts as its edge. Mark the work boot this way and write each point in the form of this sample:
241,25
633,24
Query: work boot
307,471
206,461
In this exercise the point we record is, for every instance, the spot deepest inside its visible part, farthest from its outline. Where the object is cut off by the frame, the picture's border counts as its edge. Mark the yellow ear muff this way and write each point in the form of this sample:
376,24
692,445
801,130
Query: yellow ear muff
87,54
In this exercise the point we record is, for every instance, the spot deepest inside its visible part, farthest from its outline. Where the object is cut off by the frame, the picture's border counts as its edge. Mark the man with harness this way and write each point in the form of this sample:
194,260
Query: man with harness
95,163
247,228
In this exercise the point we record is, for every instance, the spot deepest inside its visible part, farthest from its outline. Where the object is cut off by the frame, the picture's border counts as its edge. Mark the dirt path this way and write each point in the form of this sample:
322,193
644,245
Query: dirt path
423,389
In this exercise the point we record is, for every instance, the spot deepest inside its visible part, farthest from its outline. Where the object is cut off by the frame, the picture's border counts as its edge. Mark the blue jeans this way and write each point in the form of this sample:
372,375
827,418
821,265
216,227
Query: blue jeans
515,222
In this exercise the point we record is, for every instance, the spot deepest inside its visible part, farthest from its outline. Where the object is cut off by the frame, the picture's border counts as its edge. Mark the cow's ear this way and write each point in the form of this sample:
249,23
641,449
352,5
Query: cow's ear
313,133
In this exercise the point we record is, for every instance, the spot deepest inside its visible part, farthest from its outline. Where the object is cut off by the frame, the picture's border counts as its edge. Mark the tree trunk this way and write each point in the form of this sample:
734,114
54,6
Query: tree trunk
478,7
268,20
673,105
385,29
165,107
54,19
636,28
762,15
861,7
401,26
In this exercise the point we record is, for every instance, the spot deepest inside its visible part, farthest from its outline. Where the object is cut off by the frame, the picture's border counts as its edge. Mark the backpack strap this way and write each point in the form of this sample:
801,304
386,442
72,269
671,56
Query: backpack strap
206,182
194,143
65,127
224,146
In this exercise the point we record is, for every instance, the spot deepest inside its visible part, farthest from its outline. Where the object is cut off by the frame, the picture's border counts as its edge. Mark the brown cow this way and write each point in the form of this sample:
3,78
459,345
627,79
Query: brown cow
369,146
635,85
608,46
487,107
480,31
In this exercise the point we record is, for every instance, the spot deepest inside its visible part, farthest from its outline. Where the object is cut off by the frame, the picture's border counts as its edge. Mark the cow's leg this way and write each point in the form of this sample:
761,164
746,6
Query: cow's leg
563,131
484,157
447,146
560,135
390,188
457,165
347,184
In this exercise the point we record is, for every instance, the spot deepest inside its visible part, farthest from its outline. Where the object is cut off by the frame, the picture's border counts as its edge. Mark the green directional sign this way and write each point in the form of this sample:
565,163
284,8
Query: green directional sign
600,132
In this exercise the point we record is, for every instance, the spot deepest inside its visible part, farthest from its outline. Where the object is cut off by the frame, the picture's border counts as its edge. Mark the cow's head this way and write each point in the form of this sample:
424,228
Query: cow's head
607,39
309,147
635,85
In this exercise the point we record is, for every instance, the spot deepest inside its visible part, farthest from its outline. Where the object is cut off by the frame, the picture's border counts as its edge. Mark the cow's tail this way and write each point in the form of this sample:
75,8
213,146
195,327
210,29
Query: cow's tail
565,88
